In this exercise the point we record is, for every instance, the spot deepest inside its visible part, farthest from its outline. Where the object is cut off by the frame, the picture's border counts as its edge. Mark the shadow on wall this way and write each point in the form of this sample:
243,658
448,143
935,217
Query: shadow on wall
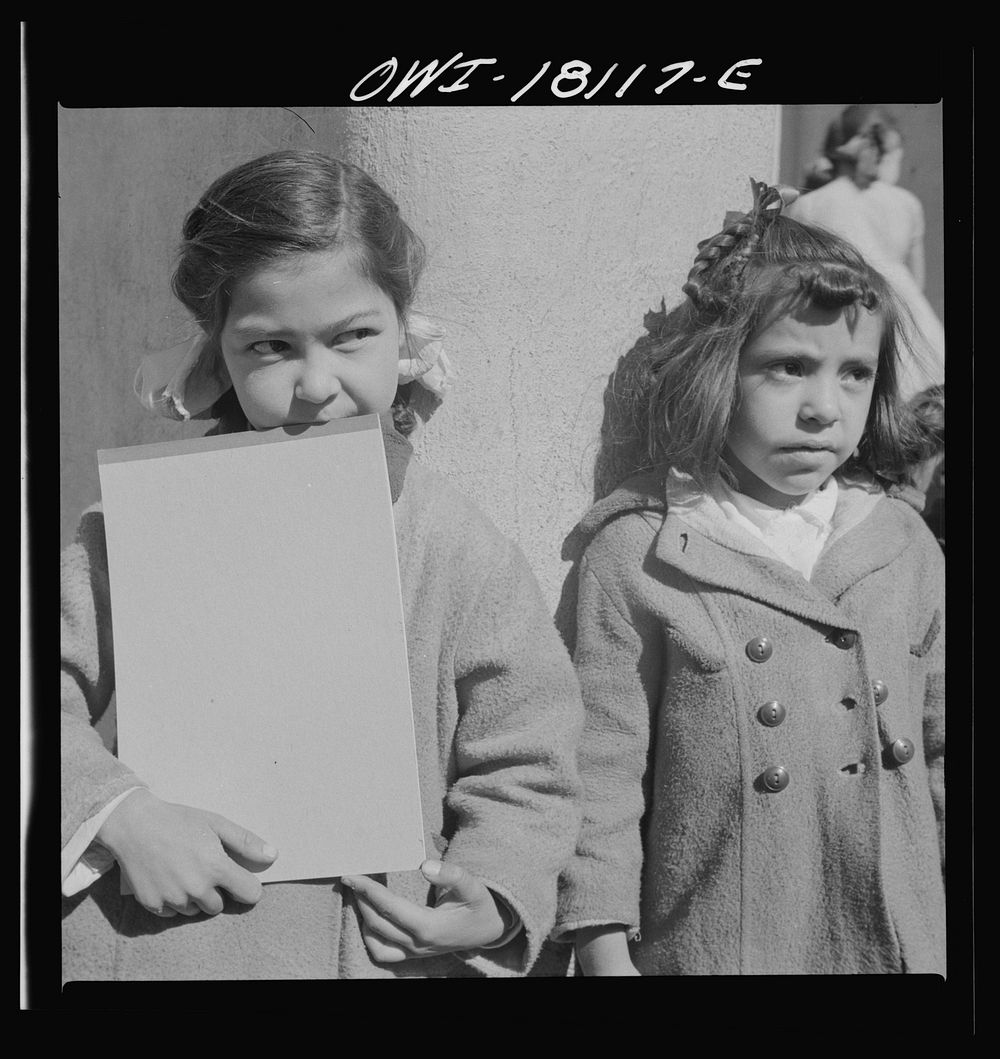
624,448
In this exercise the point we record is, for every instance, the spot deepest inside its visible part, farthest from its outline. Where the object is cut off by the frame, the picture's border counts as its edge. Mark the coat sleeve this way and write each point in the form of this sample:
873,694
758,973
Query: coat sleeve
91,774
619,662
515,802
934,694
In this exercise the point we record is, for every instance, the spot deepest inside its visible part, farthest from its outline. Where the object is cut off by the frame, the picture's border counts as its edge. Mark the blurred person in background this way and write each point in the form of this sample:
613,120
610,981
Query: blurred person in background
852,191
928,475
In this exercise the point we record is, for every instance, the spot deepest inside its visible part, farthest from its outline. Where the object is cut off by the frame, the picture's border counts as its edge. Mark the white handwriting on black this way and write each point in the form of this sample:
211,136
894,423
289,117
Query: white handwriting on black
573,78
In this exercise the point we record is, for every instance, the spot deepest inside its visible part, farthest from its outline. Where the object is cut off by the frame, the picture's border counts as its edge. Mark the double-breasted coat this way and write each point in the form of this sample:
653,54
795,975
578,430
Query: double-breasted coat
763,754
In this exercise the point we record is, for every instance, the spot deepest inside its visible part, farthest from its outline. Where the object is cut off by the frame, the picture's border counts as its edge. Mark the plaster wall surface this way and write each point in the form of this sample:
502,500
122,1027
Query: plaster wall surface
550,233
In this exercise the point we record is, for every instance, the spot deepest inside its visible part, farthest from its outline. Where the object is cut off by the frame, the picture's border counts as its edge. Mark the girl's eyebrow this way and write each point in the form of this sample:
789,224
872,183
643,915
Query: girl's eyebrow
798,353
262,326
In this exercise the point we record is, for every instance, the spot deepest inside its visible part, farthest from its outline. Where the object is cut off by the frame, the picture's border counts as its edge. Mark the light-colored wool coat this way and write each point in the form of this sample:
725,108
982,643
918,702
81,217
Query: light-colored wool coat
497,712
840,871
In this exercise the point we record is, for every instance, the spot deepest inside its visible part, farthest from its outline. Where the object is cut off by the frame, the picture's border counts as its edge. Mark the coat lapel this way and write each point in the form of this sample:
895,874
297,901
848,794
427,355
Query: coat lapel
721,560
713,552
887,533
717,554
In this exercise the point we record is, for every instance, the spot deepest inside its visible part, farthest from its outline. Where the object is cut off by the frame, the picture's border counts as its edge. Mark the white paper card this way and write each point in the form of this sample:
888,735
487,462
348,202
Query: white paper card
260,652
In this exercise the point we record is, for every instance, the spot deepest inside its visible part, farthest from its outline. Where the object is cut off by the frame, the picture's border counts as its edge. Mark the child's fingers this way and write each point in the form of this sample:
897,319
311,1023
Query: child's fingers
189,908
453,879
375,922
380,950
211,903
240,884
250,851
411,920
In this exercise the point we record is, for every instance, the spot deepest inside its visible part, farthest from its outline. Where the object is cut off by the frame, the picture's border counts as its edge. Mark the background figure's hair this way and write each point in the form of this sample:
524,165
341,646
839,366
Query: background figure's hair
927,472
732,296
928,412
291,202
870,119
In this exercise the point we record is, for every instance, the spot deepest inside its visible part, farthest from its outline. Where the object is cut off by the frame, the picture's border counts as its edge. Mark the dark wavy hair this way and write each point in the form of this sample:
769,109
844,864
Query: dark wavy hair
927,407
291,202
759,269
870,119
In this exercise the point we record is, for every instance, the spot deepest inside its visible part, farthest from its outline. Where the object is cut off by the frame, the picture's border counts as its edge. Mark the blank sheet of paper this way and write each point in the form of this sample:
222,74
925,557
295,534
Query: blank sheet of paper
260,652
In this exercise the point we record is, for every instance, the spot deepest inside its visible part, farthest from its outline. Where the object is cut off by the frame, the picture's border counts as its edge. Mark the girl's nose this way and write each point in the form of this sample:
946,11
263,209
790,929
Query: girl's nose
821,402
317,379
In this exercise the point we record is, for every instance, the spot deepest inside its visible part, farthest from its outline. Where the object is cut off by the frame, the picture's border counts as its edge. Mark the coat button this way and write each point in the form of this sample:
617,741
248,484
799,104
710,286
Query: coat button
771,714
845,640
880,690
759,649
775,778
901,751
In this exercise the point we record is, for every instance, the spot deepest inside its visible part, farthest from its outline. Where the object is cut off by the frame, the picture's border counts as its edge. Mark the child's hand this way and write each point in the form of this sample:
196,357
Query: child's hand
175,856
395,929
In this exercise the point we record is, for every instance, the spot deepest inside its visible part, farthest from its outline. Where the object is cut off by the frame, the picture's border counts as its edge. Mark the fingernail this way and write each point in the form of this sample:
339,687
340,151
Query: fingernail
431,867
348,882
268,851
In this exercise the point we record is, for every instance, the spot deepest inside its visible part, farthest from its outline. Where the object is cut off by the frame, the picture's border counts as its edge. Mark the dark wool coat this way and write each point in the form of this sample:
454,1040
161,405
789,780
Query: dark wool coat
750,799
497,712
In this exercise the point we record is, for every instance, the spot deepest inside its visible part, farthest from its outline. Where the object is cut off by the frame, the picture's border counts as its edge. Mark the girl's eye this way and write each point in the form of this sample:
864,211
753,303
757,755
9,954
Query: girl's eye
357,335
785,368
269,347
862,375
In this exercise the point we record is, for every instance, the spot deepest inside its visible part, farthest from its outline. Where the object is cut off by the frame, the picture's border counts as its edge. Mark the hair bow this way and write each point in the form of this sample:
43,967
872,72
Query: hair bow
182,382
427,364
765,197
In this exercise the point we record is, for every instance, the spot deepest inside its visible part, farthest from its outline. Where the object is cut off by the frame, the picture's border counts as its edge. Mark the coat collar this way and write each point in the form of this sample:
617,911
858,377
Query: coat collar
398,452
700,542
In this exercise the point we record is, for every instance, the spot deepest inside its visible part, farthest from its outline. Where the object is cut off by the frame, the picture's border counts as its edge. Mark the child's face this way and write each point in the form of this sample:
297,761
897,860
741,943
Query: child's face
806,384
309,339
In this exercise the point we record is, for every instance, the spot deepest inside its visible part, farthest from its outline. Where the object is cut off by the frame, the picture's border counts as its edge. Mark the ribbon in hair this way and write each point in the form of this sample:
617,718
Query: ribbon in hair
182,382
768,201
426,362
730,248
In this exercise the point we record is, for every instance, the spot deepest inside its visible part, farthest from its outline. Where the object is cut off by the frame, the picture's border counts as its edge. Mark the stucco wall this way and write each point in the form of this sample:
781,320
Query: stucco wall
551,231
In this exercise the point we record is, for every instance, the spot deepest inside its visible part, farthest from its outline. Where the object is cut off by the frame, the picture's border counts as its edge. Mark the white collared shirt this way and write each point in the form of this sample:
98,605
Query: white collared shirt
795,534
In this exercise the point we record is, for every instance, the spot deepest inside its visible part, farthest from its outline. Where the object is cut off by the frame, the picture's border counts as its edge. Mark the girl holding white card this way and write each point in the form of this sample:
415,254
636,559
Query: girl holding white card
301,274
